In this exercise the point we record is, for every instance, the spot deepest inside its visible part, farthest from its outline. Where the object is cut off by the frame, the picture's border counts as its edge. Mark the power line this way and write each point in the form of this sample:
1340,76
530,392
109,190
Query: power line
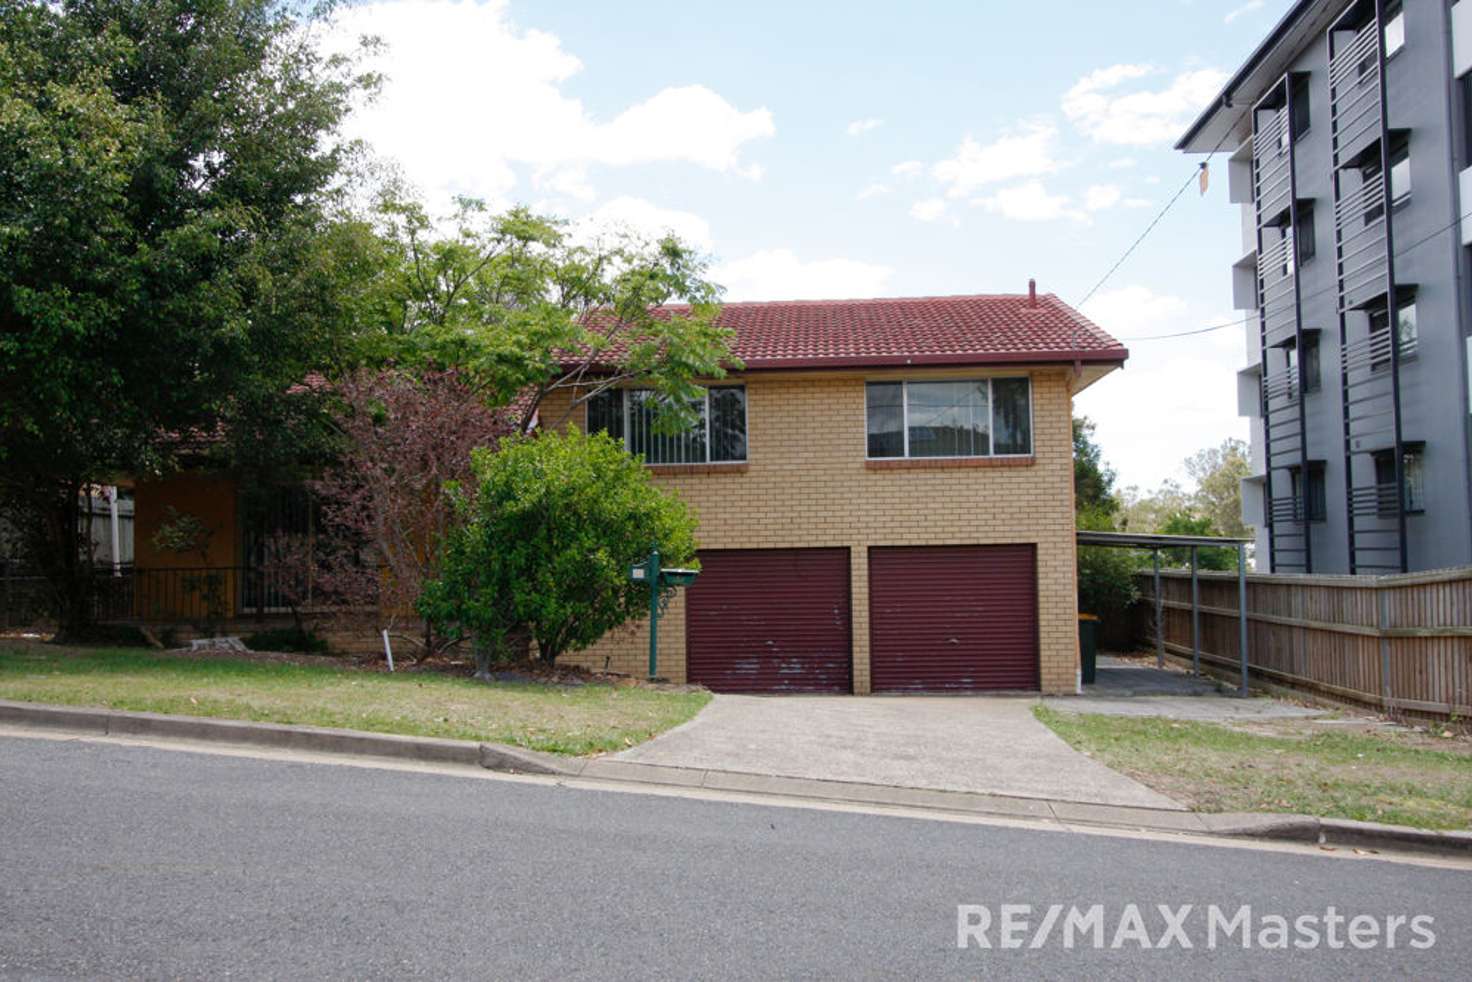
1290,303
1195,176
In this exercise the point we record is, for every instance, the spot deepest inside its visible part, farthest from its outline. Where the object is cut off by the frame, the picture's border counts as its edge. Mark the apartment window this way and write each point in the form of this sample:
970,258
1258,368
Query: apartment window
1300,120
1405,336
1303,234
972,418
717,436
1309,357
1415,481
1395,28
1318,498
1400,170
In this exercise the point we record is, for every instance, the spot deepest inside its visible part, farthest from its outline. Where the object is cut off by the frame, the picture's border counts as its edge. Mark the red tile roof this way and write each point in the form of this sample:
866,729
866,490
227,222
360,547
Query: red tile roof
968,330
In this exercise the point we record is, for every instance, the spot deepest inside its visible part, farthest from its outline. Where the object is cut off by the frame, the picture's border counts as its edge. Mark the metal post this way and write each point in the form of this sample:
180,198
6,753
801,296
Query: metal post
1195,616
1159,614
1242,612
653,613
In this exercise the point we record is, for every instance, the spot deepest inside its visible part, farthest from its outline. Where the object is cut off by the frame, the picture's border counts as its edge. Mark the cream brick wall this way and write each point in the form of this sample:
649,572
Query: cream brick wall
806,483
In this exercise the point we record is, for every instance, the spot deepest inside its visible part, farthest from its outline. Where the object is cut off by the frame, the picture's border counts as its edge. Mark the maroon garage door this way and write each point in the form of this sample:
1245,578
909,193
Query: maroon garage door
770,620
953,618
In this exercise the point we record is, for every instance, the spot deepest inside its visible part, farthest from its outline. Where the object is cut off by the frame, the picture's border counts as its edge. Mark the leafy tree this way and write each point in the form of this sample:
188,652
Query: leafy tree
384,504
524,309
1093,480
1207,557
1218,473
167,179
1142,512
1106,575
543,548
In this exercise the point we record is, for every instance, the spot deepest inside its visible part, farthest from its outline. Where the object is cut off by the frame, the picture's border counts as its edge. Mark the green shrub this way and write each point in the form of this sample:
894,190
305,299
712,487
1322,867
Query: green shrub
543,549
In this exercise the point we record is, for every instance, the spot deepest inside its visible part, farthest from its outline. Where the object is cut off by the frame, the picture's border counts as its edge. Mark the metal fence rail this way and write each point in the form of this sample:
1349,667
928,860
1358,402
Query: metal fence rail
1397,643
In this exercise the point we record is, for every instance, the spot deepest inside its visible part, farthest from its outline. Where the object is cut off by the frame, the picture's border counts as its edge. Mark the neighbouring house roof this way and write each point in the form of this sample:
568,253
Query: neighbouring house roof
907,331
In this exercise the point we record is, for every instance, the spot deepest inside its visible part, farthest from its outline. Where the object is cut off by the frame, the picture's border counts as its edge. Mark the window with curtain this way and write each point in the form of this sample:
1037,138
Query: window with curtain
970,418
718,434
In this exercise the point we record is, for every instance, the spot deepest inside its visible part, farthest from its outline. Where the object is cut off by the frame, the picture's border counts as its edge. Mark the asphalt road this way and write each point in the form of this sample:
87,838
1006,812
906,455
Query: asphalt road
125,861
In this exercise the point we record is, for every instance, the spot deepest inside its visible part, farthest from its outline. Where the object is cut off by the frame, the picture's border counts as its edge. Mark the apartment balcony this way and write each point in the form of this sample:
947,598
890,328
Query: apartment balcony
1277,304
1354,91
1359,217
1273,167
1249,391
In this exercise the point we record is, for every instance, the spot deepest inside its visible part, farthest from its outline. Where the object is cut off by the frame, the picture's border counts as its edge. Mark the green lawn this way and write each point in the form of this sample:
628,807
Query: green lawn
584,719
1396,777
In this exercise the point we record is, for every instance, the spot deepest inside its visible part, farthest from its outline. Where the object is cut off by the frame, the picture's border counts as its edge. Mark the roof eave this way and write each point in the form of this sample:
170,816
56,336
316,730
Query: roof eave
1224,99
1115,357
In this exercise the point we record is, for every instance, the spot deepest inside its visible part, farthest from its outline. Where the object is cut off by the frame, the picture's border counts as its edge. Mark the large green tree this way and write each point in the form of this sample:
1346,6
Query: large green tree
1218,473
1093,479
170,255
525,309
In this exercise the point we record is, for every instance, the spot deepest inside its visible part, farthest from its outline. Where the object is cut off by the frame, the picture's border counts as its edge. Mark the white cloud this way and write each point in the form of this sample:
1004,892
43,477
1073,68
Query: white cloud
1102,196
1195,376
569,181
929,210
648,221
1030,202
1026,153
1137,202
861,126
1101,107
908,168
778,274
1250,6
873,191
1121,163
441,56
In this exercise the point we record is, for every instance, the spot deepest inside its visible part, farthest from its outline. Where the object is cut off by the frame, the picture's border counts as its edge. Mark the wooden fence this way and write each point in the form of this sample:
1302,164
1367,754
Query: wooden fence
1398,643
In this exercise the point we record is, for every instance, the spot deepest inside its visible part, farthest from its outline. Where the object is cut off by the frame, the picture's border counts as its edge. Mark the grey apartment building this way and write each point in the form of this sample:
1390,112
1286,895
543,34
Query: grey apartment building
1348,148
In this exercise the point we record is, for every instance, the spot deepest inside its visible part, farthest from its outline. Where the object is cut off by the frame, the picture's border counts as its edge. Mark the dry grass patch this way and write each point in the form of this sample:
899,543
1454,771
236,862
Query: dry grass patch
568,719
1363,773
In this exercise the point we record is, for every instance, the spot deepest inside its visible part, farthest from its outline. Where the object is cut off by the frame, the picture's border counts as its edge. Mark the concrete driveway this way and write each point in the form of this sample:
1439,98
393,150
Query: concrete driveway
991,745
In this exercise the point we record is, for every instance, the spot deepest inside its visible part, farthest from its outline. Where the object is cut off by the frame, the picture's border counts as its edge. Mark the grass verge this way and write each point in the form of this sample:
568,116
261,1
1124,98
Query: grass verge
582,719
1368,776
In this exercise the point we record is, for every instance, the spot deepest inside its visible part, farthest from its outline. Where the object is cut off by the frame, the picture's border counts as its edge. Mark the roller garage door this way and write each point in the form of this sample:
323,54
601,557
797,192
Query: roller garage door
770,620
961,618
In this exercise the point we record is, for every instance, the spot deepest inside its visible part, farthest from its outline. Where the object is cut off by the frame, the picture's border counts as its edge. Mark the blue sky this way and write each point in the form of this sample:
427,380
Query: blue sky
821,150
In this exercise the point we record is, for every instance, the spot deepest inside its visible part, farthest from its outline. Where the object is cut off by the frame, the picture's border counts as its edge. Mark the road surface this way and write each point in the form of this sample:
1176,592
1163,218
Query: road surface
133,861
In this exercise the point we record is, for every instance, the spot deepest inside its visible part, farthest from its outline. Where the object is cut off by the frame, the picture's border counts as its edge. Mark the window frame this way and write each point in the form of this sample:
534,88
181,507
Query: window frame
1399,153
1407,351
904,385
1317,490
1411,451
627,405
1393,12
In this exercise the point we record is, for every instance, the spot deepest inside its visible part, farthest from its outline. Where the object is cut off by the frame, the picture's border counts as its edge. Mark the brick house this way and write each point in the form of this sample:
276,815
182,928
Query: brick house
885,495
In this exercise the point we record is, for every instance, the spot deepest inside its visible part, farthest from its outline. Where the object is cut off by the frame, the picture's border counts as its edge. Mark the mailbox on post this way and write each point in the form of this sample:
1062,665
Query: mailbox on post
661,581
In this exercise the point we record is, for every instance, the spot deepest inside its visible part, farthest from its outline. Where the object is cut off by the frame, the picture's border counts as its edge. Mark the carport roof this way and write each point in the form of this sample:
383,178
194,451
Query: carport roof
1131,540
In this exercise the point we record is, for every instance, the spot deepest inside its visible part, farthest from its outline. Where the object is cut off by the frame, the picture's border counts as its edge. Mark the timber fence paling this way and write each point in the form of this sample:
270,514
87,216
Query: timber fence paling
1399,642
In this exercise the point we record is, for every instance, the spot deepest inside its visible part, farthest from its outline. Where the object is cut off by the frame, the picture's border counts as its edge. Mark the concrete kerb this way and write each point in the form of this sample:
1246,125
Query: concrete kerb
517,760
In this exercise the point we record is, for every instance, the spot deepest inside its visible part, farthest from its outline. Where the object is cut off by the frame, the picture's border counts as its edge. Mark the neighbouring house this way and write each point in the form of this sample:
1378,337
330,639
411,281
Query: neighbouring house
1349,141
885,495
